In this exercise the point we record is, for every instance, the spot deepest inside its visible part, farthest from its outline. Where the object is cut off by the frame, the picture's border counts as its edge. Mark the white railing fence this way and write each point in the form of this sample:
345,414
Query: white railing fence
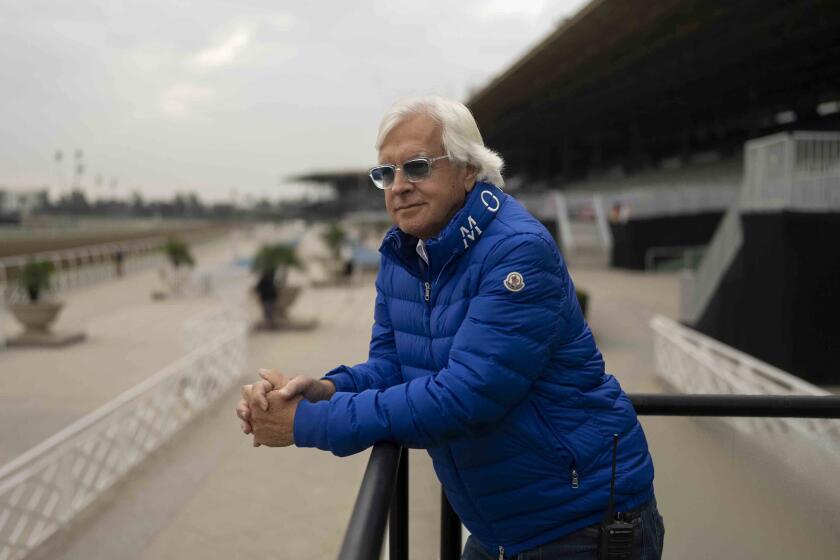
582,222
583,217
797,171
82,266
230,287
693,363
673,200
717,258
47,486
793,171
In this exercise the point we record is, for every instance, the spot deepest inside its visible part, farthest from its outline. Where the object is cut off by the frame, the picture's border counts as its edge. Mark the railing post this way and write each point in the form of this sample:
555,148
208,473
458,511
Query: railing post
364,535
450,531
398,519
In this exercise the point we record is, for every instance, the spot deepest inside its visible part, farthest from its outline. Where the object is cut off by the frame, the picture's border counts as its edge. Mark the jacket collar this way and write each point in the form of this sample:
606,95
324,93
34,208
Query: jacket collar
462,232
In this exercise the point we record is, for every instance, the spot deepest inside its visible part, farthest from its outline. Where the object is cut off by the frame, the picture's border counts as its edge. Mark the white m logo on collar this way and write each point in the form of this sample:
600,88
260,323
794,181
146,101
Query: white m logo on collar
471,233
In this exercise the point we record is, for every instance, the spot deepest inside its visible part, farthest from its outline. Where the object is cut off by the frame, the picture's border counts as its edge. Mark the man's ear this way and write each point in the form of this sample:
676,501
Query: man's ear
471,172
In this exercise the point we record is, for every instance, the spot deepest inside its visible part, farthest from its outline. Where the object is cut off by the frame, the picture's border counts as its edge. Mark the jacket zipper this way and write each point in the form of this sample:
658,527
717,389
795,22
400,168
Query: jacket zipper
575,482
427,295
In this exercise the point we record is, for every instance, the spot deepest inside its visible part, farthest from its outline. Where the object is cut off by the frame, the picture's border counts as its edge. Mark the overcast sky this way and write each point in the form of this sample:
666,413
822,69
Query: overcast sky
222,97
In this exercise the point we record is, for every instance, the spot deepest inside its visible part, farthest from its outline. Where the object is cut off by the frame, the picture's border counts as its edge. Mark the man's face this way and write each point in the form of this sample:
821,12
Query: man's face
422,209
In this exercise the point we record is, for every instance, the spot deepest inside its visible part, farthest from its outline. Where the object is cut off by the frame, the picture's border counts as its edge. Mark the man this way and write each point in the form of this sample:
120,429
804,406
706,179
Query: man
479,354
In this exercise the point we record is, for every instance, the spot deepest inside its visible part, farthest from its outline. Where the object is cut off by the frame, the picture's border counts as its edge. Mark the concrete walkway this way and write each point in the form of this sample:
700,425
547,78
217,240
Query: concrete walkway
721,497
209,494
129,337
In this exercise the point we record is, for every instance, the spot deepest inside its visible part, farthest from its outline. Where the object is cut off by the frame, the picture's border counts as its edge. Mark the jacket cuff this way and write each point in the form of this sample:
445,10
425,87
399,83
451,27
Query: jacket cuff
344,382
310,429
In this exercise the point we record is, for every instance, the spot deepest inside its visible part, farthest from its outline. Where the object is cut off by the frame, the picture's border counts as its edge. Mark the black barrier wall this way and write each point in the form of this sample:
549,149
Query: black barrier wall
780,299
632,239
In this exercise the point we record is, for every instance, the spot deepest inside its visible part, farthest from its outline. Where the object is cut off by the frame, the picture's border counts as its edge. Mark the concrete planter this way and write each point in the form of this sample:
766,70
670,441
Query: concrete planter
36,316
287,296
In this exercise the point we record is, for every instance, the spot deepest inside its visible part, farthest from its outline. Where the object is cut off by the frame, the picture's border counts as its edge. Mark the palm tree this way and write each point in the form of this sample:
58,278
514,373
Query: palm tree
334,236
276,258
35,277
272,263
178,253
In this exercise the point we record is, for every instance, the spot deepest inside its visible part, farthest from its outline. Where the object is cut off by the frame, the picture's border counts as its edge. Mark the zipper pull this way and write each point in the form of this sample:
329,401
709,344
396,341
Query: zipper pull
575,479
428,291
501,552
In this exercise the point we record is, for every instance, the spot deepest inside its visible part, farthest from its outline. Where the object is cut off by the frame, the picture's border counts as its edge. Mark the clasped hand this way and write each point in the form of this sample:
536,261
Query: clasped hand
267,409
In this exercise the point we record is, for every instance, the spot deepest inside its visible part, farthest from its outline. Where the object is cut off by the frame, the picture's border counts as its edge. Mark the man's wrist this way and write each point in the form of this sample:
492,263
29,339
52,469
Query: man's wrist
330,387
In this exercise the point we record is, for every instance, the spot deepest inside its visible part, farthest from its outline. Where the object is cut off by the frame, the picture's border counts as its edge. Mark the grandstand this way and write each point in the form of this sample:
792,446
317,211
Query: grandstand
626,86
674,129
352,192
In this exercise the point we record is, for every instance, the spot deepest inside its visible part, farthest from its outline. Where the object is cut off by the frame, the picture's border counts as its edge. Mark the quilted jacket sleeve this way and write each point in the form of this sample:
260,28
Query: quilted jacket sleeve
503,343
382,369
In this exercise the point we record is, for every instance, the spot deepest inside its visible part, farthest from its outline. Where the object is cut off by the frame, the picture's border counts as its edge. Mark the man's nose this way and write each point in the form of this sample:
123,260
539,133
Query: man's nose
401,184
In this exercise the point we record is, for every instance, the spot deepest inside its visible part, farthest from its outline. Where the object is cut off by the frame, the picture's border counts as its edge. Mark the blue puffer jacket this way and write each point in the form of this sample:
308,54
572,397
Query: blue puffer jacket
484,359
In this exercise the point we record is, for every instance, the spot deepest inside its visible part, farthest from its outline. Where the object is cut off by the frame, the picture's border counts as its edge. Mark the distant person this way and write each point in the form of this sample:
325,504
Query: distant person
615,213
118,263
619,213
266,289
347,258
479,354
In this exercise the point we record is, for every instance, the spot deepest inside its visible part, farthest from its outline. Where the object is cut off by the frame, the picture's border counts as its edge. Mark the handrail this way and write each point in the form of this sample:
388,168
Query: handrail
366,530
765,406
363,539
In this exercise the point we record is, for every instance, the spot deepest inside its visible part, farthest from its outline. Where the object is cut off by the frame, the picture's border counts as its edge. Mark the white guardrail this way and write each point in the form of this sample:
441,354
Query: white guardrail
83,266
718,257
44,488
793,171
691,362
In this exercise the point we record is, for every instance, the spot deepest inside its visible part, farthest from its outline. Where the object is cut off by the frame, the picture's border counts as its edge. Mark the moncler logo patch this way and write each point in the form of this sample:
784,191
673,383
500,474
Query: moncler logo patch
514,282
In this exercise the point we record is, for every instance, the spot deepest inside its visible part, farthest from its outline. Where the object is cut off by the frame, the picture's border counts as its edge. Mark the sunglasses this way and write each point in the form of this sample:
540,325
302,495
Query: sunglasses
414,170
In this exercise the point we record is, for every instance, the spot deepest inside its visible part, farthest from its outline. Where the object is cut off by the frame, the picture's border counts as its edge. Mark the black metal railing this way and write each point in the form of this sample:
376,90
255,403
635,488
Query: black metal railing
383,495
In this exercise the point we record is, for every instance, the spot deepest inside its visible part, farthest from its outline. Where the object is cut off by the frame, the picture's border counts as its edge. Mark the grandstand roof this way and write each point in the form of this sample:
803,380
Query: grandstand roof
330,177
629,82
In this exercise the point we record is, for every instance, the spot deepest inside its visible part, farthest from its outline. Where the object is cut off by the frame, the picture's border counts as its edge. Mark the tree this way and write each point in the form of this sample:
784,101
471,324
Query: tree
334,237
178,253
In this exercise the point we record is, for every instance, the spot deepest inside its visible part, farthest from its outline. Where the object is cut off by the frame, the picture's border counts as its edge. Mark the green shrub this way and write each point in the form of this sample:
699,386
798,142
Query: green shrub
178,253
35,277
273,256
334,237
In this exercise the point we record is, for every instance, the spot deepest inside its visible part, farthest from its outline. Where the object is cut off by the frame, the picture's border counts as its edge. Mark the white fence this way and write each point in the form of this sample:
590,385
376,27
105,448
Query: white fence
696,293
583,216
47,486
691,362
788,171
83,266
793,171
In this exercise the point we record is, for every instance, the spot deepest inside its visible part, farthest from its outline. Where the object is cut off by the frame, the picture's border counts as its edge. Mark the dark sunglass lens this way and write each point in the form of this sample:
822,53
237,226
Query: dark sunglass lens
416,169
382,176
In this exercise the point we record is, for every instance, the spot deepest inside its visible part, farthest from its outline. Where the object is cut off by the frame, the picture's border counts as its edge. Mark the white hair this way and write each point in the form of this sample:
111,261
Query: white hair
461,137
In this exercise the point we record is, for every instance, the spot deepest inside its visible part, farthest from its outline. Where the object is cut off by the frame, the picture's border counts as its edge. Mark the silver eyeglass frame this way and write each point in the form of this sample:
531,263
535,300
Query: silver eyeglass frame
395,168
